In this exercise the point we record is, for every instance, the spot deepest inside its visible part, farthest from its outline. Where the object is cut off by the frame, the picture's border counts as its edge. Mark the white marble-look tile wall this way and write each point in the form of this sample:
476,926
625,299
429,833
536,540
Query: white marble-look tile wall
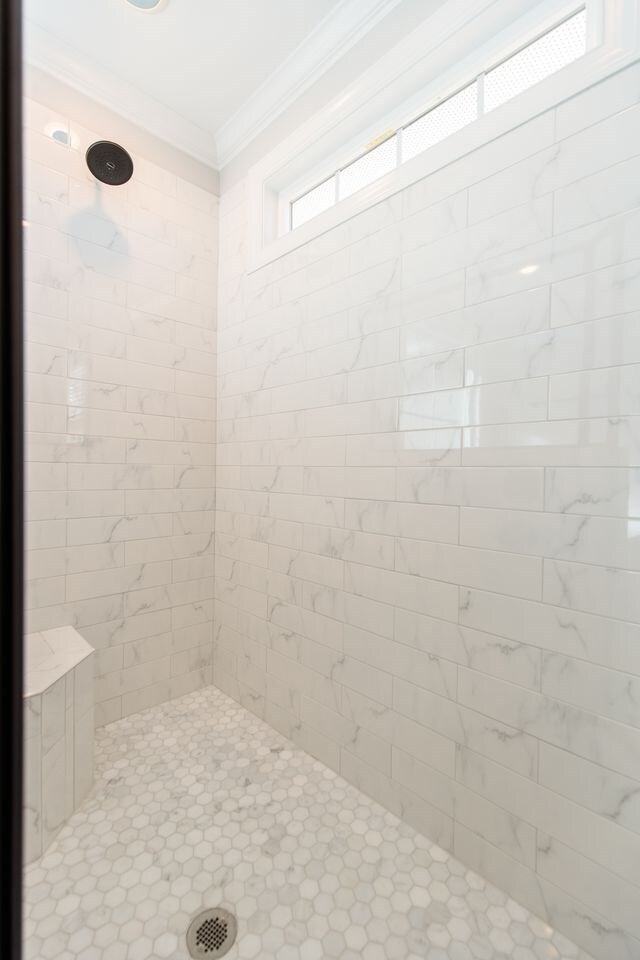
428,506
121,291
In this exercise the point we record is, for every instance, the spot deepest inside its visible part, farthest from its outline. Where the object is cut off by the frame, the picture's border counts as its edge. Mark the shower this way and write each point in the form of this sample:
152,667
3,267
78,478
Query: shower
330,332
109,163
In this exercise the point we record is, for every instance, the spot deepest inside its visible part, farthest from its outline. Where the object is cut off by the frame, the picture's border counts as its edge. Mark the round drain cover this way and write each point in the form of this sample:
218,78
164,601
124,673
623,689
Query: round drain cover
211,933
109,162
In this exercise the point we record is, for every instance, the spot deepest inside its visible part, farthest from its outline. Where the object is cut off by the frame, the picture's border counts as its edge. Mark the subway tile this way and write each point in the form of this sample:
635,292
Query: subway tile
598,246
585,346
74,559
615,745
350,545
608,693
517,487
507,573
494,156
515,401
602,293
407,377
425,485
508,745
608,794
607,591
424,781
473,426
603,194
511,316
579,153
404,590
590,883
84,585
420,667
494,655
607,392
600,491
559,629
598,540
496,825
611,442
416,520
405,448
614,95
602,841
501,234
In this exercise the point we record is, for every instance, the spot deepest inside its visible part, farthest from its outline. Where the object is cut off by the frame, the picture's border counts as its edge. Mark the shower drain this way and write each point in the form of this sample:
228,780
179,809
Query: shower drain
212,933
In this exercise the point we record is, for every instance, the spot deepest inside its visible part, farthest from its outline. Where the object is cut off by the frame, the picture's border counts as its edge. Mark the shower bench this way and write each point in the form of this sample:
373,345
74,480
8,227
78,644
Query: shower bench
58,732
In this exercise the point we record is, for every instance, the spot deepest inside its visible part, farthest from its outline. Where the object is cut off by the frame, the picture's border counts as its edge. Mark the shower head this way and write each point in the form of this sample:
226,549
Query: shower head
109,162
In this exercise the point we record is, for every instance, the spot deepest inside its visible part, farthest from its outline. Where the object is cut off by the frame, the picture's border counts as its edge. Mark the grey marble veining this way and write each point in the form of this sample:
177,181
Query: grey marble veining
428,443
198,803
120,389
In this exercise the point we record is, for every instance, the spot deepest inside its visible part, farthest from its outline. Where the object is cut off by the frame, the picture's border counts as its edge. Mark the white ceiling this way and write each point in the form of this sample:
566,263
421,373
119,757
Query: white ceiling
201,58
187,71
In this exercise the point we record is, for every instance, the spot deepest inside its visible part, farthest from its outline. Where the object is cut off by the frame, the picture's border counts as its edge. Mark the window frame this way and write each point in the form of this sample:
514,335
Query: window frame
612,43
478,83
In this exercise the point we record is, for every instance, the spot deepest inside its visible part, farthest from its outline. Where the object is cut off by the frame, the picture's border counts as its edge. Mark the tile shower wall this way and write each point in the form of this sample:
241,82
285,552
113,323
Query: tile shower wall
428,483
121,381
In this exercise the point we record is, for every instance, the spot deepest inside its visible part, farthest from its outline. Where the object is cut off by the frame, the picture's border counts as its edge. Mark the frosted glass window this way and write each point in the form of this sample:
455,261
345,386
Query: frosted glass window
541,58
368,168
561,46
441,122
310,204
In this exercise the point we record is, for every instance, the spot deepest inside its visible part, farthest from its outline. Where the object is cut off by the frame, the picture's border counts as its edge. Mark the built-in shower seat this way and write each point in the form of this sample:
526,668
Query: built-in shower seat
59,725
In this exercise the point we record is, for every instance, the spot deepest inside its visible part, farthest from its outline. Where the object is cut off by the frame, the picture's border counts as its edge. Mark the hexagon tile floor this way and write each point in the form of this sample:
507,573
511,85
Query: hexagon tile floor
198,803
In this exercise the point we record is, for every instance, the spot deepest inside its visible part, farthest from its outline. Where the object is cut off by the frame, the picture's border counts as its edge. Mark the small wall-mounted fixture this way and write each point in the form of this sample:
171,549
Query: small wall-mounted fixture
148,6
109,162
59,132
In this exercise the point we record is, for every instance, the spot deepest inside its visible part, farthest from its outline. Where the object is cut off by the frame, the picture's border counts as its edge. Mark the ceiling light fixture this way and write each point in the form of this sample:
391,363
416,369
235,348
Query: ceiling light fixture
148,6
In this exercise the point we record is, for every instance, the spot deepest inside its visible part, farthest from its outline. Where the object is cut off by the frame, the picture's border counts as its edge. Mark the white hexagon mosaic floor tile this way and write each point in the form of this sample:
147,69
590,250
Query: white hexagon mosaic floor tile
197,804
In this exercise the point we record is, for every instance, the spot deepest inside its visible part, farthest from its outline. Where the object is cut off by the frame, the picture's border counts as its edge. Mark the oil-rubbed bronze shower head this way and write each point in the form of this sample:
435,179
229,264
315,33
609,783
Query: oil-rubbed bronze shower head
109,162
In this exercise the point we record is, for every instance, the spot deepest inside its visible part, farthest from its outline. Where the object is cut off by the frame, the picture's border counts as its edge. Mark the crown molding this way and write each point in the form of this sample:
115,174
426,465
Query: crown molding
47,52
337,33
334,36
